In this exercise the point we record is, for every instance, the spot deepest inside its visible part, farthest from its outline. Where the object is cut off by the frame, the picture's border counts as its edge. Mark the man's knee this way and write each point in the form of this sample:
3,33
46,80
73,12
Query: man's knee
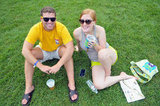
34,53
37,53
61,51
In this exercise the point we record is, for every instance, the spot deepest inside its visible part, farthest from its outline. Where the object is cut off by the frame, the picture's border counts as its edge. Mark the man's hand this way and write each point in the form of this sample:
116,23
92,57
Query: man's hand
54,69
44,68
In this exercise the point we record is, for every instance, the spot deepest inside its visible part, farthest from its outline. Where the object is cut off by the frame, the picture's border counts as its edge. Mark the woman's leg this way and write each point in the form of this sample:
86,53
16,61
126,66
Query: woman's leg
101,74
102,81
107,57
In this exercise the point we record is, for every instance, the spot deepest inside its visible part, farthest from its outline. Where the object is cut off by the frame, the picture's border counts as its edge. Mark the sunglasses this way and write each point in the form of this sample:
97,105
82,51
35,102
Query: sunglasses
47,19
85,21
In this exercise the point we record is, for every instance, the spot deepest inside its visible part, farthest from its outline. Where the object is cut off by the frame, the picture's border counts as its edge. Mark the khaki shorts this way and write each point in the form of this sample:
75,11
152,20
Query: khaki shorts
49,55
93,63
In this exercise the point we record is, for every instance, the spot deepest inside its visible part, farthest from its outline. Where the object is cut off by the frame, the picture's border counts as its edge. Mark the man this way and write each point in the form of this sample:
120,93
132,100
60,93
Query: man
54,42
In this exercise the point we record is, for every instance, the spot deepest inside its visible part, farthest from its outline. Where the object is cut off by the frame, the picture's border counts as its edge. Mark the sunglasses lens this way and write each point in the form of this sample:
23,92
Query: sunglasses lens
88,21
81,21
53,19
47,19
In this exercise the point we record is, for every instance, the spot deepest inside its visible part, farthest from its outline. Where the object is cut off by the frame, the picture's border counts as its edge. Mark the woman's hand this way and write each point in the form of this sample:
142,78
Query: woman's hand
76,48
91,44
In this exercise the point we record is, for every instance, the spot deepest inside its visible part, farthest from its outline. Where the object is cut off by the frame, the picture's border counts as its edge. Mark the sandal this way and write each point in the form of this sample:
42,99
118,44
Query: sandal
71,93
28,97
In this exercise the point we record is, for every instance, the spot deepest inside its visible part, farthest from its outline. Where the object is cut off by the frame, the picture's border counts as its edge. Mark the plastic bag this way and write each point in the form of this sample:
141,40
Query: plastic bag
143,70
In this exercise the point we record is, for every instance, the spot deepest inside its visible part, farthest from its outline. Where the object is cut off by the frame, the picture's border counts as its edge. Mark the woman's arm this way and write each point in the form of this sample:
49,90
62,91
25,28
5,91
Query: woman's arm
77,36
101,37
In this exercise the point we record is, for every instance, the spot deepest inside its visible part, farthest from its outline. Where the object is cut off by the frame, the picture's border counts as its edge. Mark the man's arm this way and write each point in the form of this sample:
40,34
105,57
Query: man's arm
65,56
27,53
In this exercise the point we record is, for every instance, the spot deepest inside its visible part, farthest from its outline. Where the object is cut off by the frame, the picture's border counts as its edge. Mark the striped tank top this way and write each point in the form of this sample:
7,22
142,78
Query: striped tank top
91,52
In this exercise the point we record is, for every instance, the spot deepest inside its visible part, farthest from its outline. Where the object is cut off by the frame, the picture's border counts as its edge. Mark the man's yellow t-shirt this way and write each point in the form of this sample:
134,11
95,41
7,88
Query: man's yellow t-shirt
49,40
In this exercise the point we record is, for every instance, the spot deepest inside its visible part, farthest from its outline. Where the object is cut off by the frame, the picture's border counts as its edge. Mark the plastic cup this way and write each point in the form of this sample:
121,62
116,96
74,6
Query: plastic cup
51,84
89,38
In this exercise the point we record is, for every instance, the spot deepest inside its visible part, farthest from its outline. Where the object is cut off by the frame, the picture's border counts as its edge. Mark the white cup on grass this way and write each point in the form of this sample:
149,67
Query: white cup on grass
51,84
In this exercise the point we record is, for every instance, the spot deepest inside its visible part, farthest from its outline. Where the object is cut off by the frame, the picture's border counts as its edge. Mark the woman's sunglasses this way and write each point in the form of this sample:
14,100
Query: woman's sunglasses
85,21
47,19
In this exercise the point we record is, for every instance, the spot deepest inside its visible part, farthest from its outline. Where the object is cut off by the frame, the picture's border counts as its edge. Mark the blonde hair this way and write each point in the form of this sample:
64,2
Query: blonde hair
91,12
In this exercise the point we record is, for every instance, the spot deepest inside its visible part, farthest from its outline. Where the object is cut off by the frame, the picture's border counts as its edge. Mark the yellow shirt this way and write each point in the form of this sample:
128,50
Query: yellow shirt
49,40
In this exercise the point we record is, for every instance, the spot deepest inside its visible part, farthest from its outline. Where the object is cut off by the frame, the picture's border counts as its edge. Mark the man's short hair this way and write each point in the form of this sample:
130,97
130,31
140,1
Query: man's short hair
48,9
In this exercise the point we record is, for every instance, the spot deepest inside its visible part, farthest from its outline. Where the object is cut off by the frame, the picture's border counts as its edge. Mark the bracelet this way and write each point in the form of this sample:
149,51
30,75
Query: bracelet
35,63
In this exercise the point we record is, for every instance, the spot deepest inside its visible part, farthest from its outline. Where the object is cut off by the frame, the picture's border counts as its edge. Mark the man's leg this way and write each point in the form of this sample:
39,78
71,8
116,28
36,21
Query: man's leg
29,71
70,72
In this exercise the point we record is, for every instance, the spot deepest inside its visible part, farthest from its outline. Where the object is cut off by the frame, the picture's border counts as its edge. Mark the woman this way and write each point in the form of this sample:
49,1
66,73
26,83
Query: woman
101,54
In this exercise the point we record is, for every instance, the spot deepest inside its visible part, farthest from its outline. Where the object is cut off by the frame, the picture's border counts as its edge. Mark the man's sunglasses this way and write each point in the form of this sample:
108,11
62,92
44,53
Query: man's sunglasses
85,21
47,19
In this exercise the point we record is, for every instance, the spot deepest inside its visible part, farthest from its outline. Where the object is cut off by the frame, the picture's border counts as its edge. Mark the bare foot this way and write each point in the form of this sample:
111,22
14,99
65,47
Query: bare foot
124,76
24,101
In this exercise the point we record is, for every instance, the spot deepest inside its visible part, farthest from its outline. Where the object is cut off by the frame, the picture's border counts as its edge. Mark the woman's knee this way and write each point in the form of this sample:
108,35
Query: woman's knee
98,85
107,53
103,54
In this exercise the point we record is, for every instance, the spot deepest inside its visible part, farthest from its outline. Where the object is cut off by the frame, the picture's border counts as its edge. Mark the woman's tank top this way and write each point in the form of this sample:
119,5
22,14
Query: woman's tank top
91,52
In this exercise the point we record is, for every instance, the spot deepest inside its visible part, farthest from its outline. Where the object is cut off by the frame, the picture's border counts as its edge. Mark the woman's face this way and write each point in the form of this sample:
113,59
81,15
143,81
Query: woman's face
87,23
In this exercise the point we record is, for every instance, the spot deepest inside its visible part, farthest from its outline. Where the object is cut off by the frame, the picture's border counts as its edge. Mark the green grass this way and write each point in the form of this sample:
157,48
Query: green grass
132,28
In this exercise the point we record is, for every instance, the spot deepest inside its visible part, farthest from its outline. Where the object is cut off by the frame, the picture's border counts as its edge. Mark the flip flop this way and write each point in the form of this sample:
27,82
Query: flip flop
71,93
28,97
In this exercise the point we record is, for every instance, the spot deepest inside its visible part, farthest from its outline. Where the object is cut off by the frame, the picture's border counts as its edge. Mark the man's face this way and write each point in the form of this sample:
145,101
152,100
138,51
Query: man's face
48,21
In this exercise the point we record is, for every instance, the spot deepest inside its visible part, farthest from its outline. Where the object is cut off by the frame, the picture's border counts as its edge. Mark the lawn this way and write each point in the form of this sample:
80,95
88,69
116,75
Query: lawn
132,28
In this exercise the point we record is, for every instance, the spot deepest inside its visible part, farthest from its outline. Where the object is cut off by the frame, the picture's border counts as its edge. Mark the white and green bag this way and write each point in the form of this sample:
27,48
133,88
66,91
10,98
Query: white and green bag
143,70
